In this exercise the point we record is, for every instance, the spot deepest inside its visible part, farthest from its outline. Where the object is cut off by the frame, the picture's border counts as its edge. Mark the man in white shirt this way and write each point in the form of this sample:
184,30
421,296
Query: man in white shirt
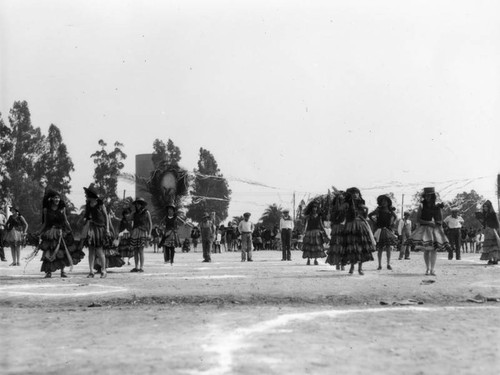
286,228
454,223
3,221
246,228
404,232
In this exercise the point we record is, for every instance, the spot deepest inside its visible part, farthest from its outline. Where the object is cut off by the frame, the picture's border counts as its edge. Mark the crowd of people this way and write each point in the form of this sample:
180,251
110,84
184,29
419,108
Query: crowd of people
348,235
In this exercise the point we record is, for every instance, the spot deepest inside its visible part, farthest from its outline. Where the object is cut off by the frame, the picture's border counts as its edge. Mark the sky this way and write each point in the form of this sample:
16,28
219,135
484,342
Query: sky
389,96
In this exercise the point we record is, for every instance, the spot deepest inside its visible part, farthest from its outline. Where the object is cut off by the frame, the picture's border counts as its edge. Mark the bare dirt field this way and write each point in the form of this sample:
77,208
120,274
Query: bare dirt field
267,317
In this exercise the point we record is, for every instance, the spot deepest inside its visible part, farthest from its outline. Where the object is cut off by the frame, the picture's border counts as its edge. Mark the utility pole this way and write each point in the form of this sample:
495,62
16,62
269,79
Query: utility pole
294,206
402,206
498,192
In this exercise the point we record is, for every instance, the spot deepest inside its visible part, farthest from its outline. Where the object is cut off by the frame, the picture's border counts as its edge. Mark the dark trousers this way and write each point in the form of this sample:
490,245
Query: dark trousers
455,237
206,245
2,253
286,243
168,254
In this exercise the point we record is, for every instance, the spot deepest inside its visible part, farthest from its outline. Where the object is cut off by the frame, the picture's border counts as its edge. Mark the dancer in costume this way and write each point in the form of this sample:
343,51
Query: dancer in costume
170,239
337,219
384,218
141,233
16,228
125,229
57,242
97,229
429,236
313,246
358,242
111,253
286,228
491,243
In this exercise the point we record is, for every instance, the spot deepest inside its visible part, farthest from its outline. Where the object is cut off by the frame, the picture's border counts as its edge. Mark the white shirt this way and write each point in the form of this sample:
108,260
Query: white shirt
245,226
454,222
286,223
404,226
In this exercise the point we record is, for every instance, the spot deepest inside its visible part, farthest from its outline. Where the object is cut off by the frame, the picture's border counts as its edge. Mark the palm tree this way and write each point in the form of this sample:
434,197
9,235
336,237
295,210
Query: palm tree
271,216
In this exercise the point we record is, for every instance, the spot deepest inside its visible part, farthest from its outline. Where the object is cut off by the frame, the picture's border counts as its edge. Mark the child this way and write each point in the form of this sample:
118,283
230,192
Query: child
16,228
429,236
141,232
384,220
170,238
186,246
124,235
313,238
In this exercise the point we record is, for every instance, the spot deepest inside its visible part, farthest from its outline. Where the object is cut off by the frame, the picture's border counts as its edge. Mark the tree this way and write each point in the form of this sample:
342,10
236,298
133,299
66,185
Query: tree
211,191
6,148
57,163
467,205
271,216
167,153
107,168
26,148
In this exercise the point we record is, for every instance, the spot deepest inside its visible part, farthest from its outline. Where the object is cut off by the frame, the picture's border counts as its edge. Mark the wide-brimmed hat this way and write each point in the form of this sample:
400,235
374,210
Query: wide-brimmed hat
141,201
12,208
382,197
429,190
454,209
91,192
286,210
205,215
407,213
51,194
247,214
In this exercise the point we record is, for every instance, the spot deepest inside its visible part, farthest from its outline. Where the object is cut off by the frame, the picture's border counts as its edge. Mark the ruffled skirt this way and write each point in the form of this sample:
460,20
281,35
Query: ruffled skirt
358,242
491,250
385,238
170,239
50,244
313,244
14,238
138,238
112,257
96,237
336,238
429,238
124,248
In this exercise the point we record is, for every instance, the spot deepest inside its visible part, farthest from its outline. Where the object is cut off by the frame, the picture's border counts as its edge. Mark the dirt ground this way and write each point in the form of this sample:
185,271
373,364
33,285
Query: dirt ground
268,316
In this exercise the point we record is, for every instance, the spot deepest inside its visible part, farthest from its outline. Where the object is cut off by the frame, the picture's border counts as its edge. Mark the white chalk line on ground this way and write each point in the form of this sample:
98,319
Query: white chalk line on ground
225,345
204,277
25,290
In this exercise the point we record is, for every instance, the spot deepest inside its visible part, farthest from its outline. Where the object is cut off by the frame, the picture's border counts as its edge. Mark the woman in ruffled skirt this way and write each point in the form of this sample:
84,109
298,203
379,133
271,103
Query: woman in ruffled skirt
125,228
429,236
57,242
111,253
491,243
16,228
337,219
141,233
313,246
384,218
358,242
170,239
97,234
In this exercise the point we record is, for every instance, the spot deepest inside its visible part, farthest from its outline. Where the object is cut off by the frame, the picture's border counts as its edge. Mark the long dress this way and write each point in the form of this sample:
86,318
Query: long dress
112,255
358,242
490,249
427,237
54,240
313,246
124,248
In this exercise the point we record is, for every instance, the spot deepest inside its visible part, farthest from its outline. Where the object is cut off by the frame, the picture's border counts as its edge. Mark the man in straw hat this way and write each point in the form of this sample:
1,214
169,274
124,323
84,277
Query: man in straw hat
454,222
286,228
207,228
246,229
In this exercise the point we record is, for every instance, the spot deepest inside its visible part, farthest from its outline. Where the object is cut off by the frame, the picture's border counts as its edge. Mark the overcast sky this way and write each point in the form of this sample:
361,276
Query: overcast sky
296,95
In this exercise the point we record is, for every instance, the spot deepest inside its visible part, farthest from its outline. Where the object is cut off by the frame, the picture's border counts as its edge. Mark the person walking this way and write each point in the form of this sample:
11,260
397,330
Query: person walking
246,229
454,222
429,236
207,229
404,232
286,228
